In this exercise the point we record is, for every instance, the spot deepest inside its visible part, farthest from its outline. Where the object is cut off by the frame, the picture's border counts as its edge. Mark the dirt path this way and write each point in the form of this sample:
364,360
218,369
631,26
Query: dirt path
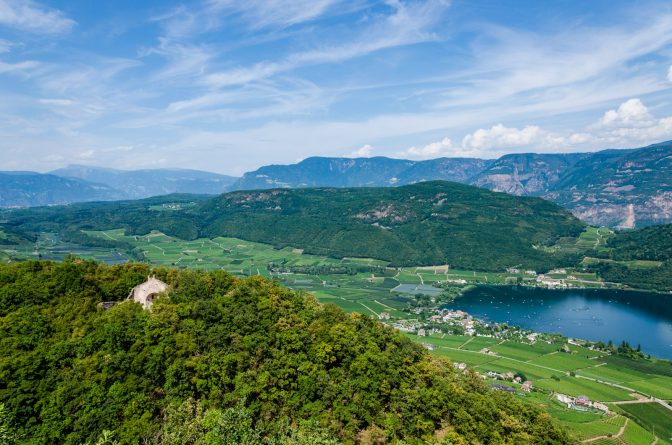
465,343
386,306
372,311
422,282
615,436
106,234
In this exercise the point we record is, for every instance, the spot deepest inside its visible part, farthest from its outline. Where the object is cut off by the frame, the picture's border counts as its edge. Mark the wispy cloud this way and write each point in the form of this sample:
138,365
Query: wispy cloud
28,16
24,67
525,66
407,24
255,15
258,14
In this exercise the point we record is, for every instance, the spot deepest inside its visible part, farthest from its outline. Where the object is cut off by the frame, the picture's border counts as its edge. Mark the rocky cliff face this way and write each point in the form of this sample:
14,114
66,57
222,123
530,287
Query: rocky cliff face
629,188
526,174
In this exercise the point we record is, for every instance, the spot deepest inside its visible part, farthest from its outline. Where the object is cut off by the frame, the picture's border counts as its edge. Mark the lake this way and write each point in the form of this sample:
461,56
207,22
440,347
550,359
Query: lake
638,318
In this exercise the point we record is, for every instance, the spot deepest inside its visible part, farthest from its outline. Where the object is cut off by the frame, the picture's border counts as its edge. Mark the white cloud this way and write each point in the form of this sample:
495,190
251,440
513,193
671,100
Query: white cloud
29,16
631,123
500,137
88,154
364,151
669,74
631,113
24,67
444,147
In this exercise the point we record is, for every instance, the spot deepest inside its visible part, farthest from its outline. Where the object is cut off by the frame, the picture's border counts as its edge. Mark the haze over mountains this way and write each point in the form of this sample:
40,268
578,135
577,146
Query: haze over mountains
78,183
617,188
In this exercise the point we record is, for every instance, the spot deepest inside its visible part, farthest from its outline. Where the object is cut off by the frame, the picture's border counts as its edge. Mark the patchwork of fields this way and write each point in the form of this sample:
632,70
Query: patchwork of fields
369,286
580,372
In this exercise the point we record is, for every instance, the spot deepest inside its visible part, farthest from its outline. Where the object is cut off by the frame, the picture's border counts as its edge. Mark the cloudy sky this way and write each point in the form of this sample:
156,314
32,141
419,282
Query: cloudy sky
229,85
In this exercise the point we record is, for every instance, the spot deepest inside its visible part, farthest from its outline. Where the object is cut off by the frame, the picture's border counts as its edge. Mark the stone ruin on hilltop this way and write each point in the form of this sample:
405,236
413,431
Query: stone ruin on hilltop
146,292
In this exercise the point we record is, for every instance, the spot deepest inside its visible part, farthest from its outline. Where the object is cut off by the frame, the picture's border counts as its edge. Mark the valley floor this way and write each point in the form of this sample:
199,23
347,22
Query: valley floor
408,297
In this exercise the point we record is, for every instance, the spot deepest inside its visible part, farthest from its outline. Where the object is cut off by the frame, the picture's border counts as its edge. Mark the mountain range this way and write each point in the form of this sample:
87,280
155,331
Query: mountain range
78,183
619,188
623,188
28,189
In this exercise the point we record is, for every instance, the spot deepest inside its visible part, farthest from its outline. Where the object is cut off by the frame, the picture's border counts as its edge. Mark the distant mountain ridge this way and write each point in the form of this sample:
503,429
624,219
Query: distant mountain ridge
377,171
624,188
78,183
619,188
28,189
136,184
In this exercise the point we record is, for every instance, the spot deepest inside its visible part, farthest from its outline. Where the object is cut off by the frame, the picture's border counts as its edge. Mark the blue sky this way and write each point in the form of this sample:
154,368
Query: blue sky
227,86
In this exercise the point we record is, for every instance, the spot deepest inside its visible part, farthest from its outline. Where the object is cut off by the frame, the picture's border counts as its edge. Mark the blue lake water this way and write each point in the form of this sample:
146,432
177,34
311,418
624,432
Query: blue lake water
639,318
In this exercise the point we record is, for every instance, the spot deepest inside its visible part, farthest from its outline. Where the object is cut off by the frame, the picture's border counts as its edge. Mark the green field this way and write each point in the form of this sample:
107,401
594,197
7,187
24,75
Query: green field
652,416
549,370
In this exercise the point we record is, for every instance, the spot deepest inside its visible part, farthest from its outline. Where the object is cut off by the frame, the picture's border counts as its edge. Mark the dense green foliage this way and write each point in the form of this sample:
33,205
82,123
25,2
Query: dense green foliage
220,360
651,243
423,224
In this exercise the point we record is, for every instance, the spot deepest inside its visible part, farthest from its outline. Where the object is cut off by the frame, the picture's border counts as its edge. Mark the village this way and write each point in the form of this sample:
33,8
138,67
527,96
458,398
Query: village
446,322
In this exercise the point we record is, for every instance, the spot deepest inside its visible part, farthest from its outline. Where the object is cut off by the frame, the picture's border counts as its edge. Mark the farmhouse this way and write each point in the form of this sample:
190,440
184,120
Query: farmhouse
500,387
562,398
146,292
582,400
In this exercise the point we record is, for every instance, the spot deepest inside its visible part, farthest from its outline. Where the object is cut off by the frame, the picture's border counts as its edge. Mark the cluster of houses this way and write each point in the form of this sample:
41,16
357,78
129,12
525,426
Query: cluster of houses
527,272
526,385
581,403
456,317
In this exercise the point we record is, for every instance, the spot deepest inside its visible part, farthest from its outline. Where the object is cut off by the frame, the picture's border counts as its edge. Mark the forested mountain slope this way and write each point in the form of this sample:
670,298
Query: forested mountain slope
629,246
427,223
421,224
220,360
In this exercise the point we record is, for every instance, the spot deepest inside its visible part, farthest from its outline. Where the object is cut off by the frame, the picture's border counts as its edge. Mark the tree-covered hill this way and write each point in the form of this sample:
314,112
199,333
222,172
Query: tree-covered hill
220,360
650,244
422,224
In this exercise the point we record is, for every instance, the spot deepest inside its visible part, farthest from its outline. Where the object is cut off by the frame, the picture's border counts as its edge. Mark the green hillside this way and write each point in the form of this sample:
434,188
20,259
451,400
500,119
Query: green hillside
651,243
220,360
428,223
629,248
